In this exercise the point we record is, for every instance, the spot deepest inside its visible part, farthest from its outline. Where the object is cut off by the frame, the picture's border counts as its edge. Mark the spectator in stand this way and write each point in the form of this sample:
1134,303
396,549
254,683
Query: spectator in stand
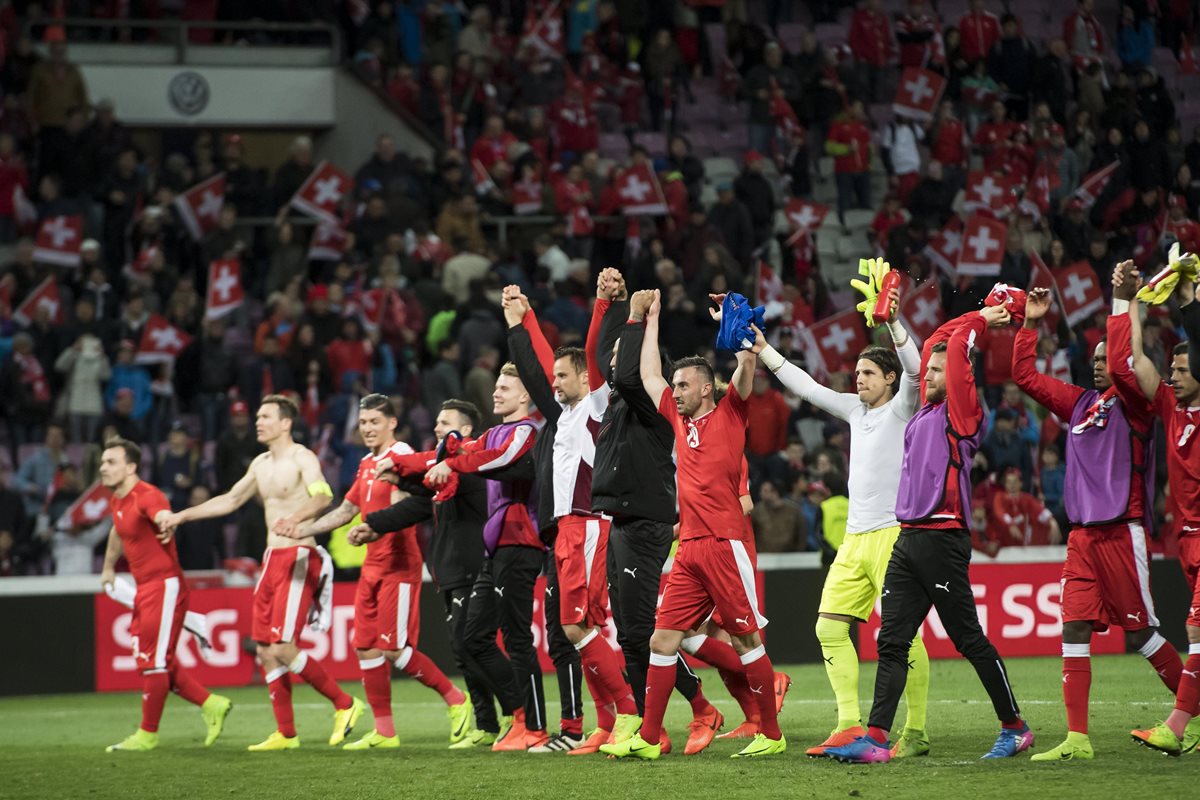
480,381
1135,40
870,41
768,413
55,87
1186,231
244,184
992,138
236,448
778,525
178,470
228,239
292,173
849,142
1052,79
119,417
552,258
889,217
1013,398
1083,34
831,494
1010,62
477,39
1053,478
14,176
980,29
756,193
1004,448
69,154
460,219
732,219
86,368
798,165
929,204
918,32
36,472
900,144
134,377
391,170
1027,522
663,66
680,159
350,356
1154,102
122,195
201,544
443,380
493,144
267,372
950,146
763,82
27,396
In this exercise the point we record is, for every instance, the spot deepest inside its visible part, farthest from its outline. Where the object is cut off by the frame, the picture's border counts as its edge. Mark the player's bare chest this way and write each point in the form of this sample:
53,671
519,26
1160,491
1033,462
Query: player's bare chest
277,479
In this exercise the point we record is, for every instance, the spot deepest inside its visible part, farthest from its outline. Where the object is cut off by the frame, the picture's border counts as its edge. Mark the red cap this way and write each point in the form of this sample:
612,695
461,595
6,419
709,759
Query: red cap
753,156
318,292
819,487
238,407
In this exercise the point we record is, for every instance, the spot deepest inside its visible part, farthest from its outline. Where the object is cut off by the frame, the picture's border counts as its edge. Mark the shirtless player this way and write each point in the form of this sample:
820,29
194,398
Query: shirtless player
288,479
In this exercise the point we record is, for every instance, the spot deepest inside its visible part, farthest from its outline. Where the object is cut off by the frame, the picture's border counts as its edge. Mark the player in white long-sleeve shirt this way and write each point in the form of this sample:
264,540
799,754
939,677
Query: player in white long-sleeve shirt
889,393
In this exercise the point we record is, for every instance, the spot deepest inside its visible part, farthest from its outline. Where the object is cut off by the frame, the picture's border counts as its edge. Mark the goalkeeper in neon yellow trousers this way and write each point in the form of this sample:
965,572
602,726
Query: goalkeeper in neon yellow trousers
888,394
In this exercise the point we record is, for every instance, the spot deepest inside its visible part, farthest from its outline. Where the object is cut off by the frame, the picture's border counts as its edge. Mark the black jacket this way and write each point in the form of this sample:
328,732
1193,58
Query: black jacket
634,474
520,350
456,548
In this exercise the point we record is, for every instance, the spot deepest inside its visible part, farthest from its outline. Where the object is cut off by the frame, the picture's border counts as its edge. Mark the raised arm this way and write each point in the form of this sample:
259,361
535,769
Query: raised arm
518,313
797,380
962,399
477,457
946,330
1132,382
650,366
1144,370
609,287
1057,397
742,381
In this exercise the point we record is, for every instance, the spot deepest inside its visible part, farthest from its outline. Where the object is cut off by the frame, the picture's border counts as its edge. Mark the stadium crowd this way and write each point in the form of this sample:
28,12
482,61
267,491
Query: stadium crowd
507,109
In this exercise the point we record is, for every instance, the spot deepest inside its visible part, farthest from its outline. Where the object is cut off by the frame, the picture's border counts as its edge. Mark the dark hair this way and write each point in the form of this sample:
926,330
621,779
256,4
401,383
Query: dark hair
887,360
577,355
940,347
133,453
287,406
700,363
378,402
1180,349
466,408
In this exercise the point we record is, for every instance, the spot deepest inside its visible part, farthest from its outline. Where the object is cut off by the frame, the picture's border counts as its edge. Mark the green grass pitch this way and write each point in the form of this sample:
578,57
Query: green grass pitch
53,747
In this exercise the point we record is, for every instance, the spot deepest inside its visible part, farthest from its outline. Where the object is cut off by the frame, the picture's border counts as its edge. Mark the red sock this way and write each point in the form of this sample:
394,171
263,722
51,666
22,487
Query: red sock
729,667
316,676
660,682
1077,685
1187,699
606,711
1165,660
418,665
186,686
377,683
573,726
279,684
700,704
155,688
600,661
760,675
878,734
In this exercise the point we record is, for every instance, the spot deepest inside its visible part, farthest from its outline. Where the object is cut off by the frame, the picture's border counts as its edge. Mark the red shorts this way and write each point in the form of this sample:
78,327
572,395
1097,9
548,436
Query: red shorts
284,593
581,558
711,574
1189,559
158,611
752,550
1106,578
387,613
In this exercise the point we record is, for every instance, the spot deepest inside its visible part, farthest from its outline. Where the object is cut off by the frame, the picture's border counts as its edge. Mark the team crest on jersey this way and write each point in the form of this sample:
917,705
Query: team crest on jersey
1097,415
693,435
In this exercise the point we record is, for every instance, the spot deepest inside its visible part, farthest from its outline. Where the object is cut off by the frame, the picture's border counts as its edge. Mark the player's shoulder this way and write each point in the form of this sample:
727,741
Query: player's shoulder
145,489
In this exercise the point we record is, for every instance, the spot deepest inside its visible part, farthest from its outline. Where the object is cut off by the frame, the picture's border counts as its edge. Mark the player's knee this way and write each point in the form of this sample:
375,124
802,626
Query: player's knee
1077,632
1136,640
1193,634
831,631
664,643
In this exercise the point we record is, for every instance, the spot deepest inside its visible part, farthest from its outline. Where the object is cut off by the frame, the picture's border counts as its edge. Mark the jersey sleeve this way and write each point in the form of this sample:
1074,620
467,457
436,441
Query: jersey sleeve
152,501
1057,397
824,398
739,409
1119,356
908,394
666,405
962,399
595,375
477,457
354,493
1164,401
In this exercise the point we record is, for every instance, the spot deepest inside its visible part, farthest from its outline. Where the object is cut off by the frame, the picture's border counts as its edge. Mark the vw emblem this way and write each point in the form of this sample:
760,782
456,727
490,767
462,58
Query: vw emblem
188,93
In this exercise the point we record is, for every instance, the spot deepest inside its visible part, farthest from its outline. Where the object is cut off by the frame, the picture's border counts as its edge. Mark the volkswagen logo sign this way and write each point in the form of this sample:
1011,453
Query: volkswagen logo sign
188,93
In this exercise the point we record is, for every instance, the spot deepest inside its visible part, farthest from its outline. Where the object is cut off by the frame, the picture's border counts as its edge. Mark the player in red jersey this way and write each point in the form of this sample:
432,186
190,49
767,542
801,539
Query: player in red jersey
161,601
387,612
712,569
1178,405
295,572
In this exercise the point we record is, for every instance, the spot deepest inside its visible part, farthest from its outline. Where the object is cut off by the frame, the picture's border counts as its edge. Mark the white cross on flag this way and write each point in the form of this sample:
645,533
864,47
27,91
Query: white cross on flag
921,310
161,342
1040,277
544,31
199,207
638,191
370,307
803,215
982,246
1095,182
527,197
44,298
988,193
943,247
58,241
87,510
225,291
918,93
482,179
835,341
768,291
1079,292
321,194
328,243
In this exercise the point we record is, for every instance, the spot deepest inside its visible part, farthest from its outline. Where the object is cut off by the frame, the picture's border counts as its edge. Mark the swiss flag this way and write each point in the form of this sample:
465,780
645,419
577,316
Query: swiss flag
200,206
1094,183
224,288
322,193
835,341
527,196
1079,292
91,507
804,215
982,246
944,246
918,93
428,248
328,243
638,191
1040,277
543,29
484,184
987,193
921,310
161,342
58,241
44,297
768,291
370,307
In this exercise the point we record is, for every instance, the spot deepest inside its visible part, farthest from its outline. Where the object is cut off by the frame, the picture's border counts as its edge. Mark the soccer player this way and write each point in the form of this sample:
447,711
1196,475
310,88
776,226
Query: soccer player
288,480
1178,405
1108,498
928,568
161,601
568,387
888,391
712,568
387,608
512,542
459,568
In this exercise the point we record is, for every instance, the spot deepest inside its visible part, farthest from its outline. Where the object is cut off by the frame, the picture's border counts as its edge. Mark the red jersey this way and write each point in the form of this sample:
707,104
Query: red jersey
1187,231
854,136
950,143
396,556
979,31
133,517
708,465
870,37
992,139
490,149
1181,427
1024,512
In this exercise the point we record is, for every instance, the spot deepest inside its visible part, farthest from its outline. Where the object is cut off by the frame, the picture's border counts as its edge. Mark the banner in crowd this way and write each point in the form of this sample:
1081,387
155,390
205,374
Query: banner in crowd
1018,610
